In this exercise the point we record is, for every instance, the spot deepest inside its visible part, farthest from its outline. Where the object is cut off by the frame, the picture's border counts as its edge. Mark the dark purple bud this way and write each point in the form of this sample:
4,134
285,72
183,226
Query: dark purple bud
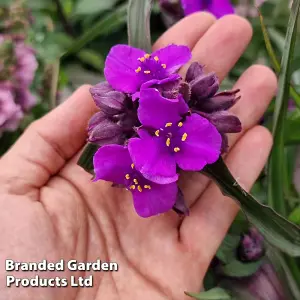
195,70
171,11
251,246
103,131
108,100
180,206
169,87
265,284
224,122
225,144
219,102
262,285
204,86
185,91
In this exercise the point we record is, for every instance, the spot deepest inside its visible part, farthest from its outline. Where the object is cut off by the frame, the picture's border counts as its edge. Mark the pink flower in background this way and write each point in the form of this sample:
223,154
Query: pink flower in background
19,68
10,112
26,64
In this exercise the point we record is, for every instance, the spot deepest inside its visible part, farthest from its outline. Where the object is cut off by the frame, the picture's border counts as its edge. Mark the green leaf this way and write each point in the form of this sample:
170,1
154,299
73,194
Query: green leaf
238,269
286,268
272,55
92,58
110,23
86,158
226,251
295,216
276,166
291,131
213,294
277,230
86,7
138,23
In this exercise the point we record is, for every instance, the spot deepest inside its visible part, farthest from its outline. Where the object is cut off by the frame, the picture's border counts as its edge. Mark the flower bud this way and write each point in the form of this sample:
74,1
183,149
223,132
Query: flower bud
195,70
203,87
224,122
107,99
171,11
251,246
219,102
103,131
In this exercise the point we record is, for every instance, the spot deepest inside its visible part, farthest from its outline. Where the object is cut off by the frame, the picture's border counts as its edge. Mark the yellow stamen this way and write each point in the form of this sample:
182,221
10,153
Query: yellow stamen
176,149
132,166
168,125
164,65
168,142
156,58
132,187
184,136
140,188
147,72
147,55
127,176
147,187
141,59
157,132
135,181
139,69
180,124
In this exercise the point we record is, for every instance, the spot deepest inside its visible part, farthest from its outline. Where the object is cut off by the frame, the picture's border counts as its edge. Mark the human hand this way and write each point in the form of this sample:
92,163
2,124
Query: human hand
51,210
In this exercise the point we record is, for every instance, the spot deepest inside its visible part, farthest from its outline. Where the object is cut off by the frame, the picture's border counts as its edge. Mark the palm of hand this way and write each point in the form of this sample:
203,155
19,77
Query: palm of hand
51,210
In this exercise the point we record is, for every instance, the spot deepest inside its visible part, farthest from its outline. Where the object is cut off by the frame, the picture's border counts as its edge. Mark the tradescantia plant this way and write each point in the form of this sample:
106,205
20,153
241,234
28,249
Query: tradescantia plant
153,124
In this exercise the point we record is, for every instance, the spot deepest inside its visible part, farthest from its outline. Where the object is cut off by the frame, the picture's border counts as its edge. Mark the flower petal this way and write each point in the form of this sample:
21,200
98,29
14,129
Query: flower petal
220,8
202,145
120,65
191,6
111,163
157,200
155,111
152,159
173,56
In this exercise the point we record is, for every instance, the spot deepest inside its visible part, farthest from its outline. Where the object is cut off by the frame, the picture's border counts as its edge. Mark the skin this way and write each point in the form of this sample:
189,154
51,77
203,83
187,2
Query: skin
51,210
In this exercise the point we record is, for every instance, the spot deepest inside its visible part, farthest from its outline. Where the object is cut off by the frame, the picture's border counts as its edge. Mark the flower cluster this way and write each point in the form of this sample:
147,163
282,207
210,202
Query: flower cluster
152,124
17,69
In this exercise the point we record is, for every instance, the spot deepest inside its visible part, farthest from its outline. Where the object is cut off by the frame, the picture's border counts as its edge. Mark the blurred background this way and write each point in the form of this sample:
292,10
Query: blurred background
48,48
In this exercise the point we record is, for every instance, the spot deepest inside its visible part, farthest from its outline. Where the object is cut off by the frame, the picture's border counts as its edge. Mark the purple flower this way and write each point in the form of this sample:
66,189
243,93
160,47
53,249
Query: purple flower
25,98
218,8
113,163
10,113
171,137
127,68
26,64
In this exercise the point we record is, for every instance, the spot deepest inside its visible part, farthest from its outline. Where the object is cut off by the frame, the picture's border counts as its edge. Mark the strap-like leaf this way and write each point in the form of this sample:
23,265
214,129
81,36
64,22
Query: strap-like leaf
138,23
277,162
277,230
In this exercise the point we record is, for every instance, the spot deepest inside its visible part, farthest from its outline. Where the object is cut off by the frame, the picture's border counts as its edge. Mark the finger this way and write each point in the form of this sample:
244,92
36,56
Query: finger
49,142
222,45
258,86
187,31
212,215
